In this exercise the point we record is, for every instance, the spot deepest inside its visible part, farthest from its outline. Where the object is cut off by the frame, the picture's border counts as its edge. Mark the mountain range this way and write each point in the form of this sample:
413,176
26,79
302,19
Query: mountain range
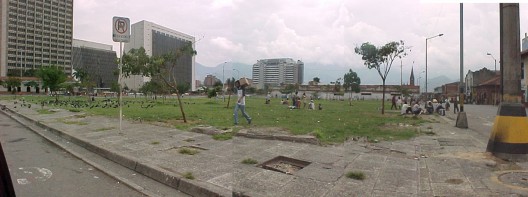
326,74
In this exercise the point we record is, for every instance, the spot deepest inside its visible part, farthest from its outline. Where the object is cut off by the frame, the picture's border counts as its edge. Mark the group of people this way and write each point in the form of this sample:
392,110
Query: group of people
430,107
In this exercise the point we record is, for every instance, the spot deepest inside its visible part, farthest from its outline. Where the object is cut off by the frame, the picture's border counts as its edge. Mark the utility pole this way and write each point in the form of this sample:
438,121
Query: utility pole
461,121
508,139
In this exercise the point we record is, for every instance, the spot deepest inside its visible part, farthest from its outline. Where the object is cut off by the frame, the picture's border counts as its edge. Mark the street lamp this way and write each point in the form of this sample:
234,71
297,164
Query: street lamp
223,81
495,73
494,60
426,58
238,72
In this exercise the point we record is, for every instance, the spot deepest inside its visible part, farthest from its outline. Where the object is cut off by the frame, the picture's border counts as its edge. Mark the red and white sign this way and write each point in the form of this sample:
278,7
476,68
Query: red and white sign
121,29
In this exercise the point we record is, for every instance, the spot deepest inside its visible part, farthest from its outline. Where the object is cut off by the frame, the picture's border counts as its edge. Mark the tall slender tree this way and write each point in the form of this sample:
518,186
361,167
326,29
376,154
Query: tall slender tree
381,59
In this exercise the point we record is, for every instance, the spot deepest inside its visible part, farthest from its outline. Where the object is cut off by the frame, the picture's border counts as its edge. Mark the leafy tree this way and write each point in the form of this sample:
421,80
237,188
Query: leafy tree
160,68
31,84
12,83
351,83
381,59
51,78
316,79
183,87
288,89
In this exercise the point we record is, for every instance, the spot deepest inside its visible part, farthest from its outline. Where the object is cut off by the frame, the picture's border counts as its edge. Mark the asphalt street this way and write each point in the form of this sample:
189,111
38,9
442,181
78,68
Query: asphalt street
39,168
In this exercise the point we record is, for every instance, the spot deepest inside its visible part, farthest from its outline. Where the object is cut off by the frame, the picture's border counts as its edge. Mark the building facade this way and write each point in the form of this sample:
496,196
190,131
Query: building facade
159,40
475,78
274,72
35,33
97,60
210,80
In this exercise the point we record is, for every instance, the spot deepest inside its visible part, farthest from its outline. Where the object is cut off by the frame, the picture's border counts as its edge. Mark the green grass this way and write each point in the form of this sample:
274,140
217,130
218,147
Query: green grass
105,129
188,151
356,175
334,124
188,175
223,136
74,122
75,110
249,161
45,111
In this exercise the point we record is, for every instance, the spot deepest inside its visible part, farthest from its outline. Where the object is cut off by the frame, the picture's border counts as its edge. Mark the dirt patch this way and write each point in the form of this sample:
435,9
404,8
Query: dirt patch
454,181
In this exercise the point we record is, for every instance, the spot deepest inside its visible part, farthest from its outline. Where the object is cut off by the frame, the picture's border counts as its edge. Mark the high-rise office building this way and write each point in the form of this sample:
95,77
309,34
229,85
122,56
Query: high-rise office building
97,60
275,72
159,40
35,33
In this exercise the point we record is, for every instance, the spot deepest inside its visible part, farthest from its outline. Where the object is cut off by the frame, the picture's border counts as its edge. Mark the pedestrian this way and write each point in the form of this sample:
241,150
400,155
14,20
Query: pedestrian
311,105
416,110
399,103
455,106
393,106
241,103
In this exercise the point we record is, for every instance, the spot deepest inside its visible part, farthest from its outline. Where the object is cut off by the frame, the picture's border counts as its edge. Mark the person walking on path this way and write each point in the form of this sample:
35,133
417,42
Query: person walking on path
241,103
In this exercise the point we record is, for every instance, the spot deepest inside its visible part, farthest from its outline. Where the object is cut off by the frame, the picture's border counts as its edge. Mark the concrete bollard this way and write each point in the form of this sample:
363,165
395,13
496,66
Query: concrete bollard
509,136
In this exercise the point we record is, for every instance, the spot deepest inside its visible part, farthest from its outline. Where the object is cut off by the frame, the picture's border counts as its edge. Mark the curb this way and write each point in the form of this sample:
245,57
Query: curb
191,187
289,138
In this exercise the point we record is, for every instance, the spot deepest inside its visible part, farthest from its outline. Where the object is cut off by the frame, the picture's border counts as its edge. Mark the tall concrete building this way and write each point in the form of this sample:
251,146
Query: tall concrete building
274,72
97,60
34,33
159,40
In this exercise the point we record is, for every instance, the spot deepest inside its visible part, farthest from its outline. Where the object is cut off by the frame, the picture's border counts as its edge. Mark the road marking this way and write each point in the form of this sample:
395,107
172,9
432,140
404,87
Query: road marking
32,174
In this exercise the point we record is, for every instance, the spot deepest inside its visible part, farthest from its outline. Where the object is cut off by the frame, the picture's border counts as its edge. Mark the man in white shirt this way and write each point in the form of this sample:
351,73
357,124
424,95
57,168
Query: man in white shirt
241,103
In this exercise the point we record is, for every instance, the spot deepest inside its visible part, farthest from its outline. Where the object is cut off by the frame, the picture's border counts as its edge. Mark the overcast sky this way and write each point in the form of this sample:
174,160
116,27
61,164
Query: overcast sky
314,31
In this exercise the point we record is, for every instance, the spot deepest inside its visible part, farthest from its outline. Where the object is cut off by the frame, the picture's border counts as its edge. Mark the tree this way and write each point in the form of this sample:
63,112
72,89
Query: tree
230,89
160,68
316,79
12,83
31,84
381,59
351,83
51,78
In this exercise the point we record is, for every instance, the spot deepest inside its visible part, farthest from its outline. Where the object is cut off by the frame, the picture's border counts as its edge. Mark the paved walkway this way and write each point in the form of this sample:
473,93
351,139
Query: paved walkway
447,162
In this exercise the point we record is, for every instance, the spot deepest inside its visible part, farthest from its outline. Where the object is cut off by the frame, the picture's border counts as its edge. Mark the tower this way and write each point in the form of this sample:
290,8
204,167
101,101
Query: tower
411,80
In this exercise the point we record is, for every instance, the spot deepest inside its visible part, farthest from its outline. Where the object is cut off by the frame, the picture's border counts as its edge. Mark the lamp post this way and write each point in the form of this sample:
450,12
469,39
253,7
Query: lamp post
495,73
494,60
223,82
238,72
426,58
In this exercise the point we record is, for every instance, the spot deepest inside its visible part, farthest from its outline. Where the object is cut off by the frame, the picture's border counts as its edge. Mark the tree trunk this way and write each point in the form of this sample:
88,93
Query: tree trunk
383,100
228,99
181,106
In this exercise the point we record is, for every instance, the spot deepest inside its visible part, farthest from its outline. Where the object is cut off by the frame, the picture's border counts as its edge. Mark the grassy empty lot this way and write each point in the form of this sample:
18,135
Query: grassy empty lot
335,123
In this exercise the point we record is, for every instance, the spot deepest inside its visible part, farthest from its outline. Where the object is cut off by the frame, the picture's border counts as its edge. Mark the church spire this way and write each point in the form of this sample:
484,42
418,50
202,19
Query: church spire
411,80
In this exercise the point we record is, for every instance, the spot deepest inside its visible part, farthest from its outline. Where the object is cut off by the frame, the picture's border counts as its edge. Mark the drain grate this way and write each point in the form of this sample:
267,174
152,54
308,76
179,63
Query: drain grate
519,179
284,164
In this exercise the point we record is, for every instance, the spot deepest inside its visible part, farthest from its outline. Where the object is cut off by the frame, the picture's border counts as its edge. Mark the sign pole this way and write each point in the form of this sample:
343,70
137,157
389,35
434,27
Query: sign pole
120,89
120,33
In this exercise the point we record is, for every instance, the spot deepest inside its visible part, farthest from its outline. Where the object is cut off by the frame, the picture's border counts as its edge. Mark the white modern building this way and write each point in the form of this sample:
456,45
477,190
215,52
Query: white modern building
274,72
159,40
34,33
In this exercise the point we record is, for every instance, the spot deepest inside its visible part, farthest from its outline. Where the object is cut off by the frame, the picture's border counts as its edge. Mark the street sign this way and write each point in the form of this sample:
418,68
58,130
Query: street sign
121,29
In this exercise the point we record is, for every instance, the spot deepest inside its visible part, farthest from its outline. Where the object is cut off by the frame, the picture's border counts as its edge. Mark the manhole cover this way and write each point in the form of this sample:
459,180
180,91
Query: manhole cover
284,164
519,179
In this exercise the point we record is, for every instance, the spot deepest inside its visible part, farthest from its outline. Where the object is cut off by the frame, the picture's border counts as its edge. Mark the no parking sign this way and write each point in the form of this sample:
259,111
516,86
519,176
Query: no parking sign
121,29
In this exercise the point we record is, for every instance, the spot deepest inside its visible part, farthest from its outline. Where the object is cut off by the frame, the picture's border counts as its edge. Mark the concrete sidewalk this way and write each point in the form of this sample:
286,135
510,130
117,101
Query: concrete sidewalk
448,162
